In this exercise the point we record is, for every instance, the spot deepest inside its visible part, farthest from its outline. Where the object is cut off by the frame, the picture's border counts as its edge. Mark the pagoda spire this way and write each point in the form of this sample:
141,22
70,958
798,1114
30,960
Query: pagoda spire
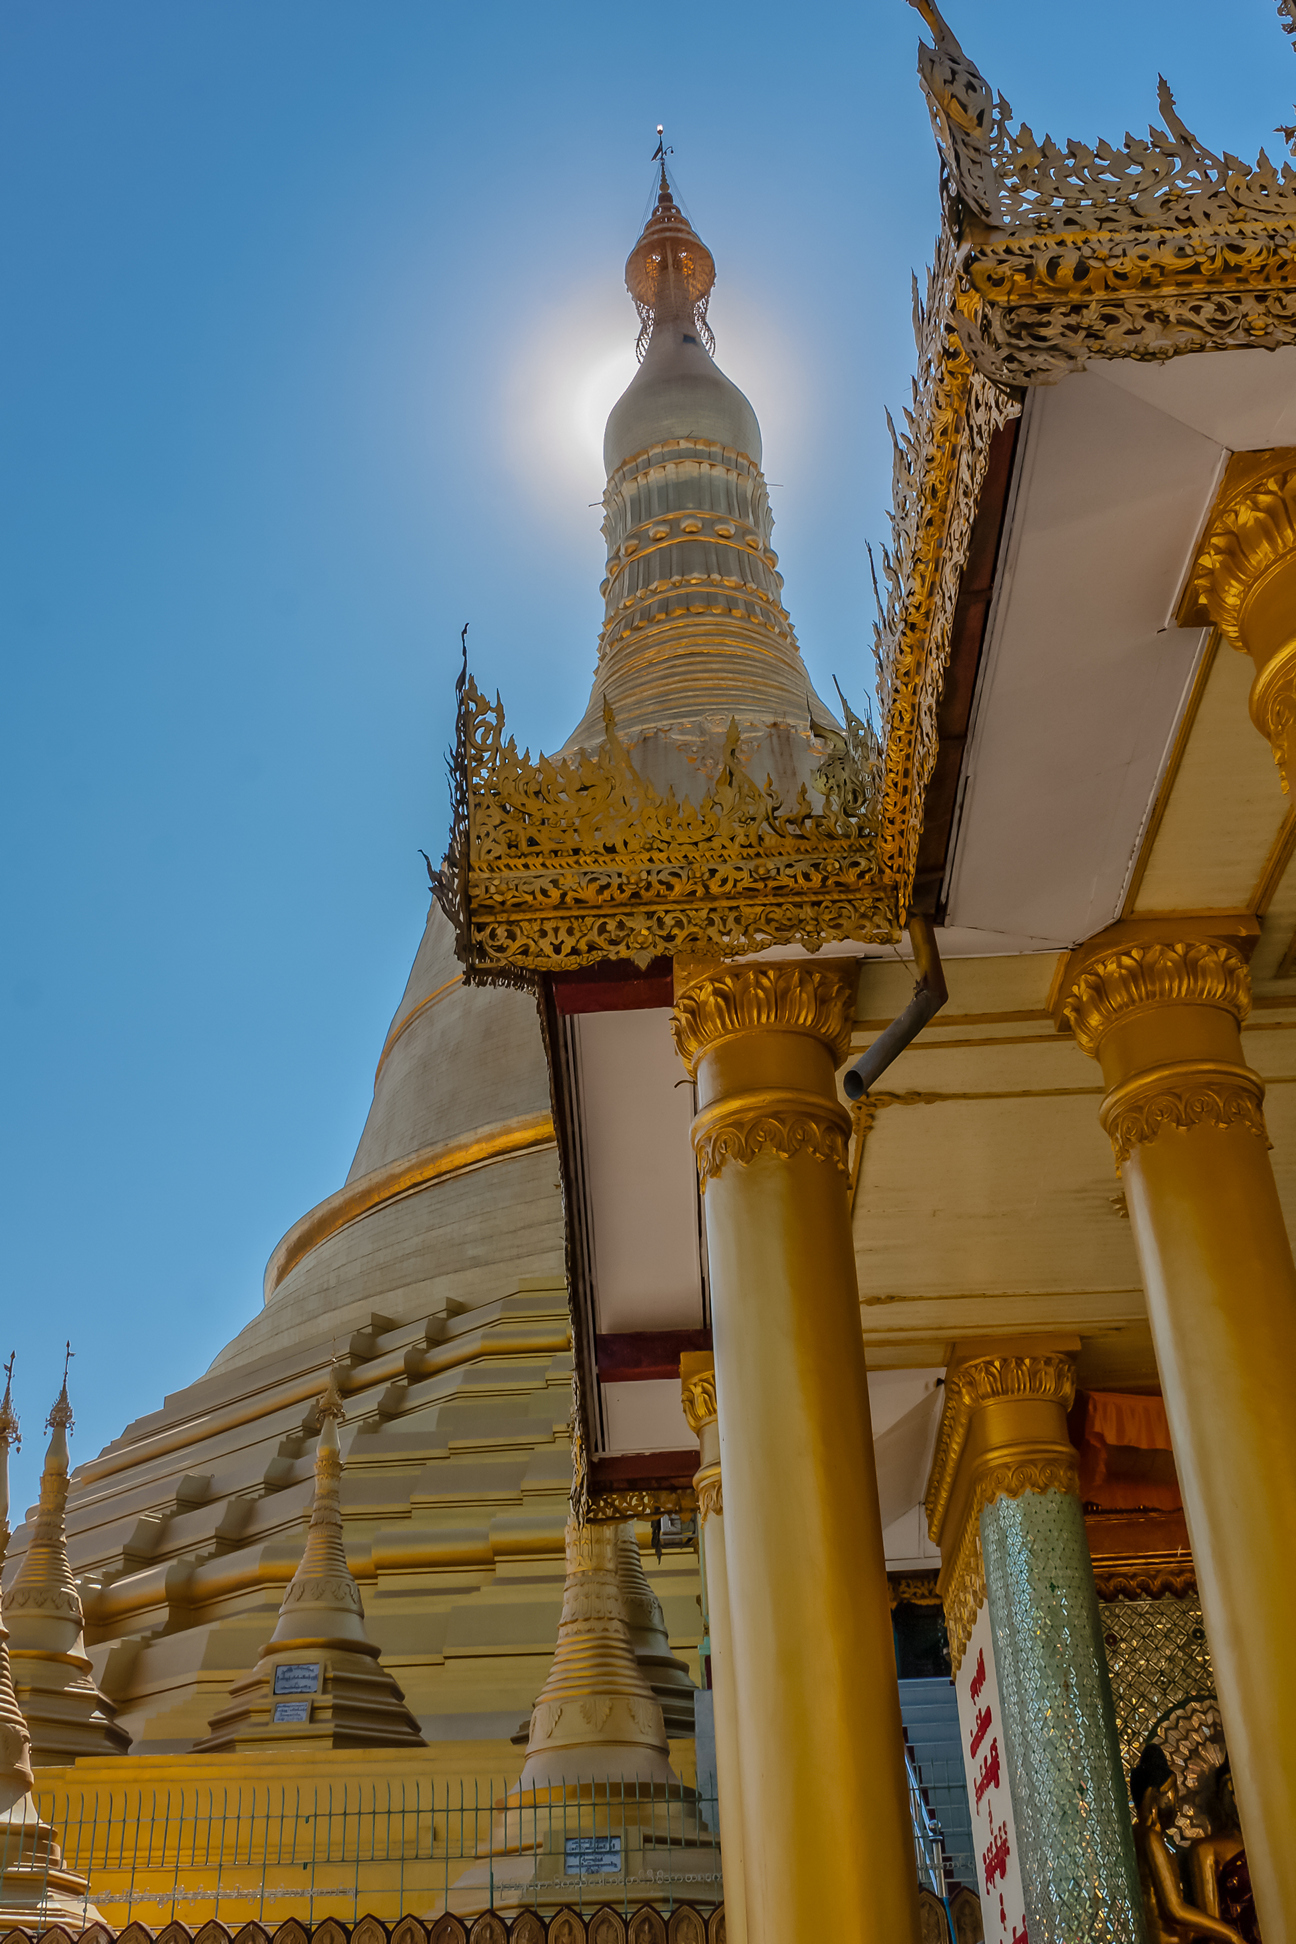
52,1676
10,1434
318,1680
695,634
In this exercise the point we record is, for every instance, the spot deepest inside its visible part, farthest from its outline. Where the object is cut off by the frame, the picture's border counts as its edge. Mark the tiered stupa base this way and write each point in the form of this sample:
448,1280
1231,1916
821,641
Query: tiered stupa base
355,1704
35,1888
603,1841
65,1713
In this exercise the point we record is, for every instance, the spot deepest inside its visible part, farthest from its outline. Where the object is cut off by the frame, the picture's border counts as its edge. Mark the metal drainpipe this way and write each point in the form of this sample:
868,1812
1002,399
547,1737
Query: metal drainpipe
930,994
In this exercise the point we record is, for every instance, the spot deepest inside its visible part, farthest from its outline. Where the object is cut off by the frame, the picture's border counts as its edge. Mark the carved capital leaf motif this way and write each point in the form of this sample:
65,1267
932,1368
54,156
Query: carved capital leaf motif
1048,1378
1136,976
698,1395
1248,535
819,1000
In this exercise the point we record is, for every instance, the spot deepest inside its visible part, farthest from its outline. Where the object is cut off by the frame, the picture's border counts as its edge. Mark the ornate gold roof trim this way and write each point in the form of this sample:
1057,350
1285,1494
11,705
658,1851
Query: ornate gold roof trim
1146,250
442,1162
560,863
1047,257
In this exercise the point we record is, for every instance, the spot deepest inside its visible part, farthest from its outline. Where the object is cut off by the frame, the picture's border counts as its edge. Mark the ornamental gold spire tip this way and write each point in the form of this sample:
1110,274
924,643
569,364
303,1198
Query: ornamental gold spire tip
330,1404
60,1417
9,1429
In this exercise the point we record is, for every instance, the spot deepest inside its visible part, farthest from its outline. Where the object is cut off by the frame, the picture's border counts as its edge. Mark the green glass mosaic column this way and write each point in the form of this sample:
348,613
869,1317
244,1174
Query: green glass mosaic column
1074,1837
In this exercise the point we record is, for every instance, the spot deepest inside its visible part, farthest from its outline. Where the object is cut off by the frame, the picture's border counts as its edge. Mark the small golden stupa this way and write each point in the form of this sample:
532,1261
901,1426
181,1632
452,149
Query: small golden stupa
35,1889
664,1672
597,1769
53,1680
318,1681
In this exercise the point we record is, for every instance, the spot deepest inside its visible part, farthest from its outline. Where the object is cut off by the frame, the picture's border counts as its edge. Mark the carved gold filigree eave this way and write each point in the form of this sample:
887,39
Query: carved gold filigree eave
1048,257
1066,253
648,1502
559,864
939,459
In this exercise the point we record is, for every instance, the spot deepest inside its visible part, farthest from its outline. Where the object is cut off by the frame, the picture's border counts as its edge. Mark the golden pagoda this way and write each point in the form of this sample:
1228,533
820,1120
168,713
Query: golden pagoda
851,1147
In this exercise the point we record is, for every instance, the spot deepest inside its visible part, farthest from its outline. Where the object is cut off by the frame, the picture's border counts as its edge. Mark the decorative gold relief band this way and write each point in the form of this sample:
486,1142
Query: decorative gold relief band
420,1170
1182,1095
770,1121
710,1498
649,1503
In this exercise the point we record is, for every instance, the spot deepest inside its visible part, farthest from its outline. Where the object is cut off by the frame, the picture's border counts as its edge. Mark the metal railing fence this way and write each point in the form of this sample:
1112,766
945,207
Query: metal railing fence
247,1850
256,1850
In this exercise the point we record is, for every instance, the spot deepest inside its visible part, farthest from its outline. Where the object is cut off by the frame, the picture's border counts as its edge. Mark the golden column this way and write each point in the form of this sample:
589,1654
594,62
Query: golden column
1244,580
1183,1111
698,1387
828,1843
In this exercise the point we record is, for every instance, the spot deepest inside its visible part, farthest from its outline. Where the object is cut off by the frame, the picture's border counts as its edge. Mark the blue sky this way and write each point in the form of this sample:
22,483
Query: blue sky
312,313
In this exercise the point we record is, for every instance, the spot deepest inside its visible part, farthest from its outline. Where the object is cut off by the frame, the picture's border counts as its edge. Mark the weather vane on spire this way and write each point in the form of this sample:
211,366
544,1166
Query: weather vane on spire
660,153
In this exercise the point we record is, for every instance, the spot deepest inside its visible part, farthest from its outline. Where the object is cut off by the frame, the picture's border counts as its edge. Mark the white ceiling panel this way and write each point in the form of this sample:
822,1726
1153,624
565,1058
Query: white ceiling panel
1245,400
646,1416
1084,674
640,1175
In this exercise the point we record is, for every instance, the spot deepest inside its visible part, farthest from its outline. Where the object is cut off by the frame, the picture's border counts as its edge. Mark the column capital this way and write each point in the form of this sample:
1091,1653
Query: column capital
764,1092
714,1002
698,1389
1159,1002
1244,580
1141,963
1252,528
1002,1433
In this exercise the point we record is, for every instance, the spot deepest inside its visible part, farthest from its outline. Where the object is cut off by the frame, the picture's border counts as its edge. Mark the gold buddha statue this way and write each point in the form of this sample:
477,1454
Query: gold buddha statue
1217,1867
1169,1917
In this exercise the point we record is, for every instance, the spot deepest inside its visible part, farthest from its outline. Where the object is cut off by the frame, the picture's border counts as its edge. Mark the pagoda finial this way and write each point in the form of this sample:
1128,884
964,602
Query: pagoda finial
660,153
9,1435
60,1417
330,1406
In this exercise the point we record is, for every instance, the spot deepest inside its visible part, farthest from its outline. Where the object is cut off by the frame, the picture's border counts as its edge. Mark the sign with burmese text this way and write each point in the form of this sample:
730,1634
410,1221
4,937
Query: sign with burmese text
985,1763
296,1677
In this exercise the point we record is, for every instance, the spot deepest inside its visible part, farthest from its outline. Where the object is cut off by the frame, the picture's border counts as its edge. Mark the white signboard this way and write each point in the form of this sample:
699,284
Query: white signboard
985,1763
591,1855
292,1710
297,1677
